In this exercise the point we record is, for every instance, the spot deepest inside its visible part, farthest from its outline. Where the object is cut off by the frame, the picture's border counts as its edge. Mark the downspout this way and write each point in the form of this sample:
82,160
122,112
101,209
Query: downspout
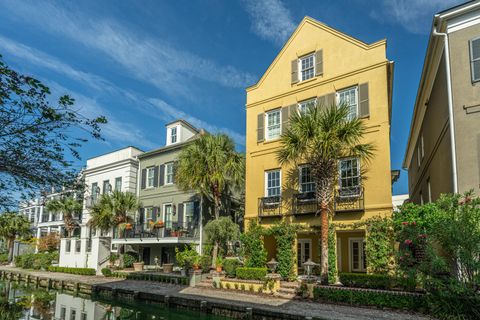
450,106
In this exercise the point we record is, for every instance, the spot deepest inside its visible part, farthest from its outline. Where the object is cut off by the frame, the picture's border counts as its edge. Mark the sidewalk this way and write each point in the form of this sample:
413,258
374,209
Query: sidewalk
267,303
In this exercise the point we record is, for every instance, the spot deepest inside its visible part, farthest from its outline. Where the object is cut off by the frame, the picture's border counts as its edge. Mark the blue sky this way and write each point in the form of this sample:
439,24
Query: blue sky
144,63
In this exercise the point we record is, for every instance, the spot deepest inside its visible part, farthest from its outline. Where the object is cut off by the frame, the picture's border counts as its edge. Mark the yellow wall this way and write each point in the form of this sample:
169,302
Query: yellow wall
347,62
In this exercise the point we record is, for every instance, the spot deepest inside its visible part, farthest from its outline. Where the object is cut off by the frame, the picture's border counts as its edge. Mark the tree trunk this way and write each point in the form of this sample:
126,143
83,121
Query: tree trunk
214,254
10,249
324,238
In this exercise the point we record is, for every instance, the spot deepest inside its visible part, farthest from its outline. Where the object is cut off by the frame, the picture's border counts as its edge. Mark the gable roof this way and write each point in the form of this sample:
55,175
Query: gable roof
320,25
185,122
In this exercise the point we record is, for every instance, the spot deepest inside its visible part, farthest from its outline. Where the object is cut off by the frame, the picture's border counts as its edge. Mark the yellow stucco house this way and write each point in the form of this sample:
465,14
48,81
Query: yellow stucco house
319,65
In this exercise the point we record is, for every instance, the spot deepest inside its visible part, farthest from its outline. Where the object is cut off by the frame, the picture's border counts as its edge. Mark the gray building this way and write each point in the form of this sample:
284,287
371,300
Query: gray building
443,151
168,217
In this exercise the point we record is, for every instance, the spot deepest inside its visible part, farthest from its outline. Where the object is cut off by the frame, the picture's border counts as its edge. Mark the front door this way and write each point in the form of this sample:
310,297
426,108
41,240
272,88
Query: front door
146,255
304,251
358,262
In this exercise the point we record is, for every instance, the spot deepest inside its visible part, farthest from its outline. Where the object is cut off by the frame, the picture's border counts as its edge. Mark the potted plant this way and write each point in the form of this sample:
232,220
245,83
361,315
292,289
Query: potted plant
219,264
139,264
159,224
112,259
128,226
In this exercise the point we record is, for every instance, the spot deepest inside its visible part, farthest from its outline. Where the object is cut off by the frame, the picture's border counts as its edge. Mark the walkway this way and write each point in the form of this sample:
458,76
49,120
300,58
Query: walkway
296,307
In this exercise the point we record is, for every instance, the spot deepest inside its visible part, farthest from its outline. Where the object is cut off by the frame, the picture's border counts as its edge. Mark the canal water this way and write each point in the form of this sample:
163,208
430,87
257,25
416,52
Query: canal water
19,302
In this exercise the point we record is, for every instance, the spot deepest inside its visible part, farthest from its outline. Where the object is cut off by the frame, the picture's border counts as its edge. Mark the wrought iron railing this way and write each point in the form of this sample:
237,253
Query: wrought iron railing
270,206
349,199
304,203
150,231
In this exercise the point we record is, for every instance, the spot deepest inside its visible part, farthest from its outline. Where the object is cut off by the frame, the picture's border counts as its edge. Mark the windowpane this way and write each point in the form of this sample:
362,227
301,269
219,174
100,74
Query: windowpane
189,210
169,173
168,216
475,49
307,67
476,70
118,184
273,183
349,174
349,98
150,177
305,105
273,124
173,135
306,180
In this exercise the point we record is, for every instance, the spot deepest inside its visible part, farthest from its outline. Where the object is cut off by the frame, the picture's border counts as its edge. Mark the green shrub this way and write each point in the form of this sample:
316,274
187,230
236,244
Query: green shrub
205,262
230,266
371,298
3,258
188,257
363,280
35,260
107,272
78,271
251,273
253,247
128,260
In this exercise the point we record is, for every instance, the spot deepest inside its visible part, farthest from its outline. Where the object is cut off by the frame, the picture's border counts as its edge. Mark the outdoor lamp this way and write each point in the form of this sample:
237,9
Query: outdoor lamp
272,265
309,265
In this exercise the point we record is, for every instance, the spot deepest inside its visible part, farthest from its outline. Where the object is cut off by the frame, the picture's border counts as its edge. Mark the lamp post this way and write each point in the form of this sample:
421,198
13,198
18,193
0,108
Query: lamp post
309,265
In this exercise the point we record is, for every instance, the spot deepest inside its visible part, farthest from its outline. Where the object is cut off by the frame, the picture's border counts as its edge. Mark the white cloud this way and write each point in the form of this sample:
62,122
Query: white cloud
271,20
150,60
115,130
413,15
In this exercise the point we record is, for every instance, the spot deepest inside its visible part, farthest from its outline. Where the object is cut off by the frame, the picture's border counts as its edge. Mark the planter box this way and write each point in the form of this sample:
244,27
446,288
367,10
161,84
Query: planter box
138,266
168,267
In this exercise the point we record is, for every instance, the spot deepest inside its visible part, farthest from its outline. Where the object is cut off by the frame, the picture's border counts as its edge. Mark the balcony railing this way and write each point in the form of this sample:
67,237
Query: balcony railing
270,206
149,231
349,199
304,203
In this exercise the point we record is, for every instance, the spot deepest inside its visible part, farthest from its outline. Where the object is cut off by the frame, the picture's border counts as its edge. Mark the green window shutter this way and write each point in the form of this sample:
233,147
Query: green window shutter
162,175
364,110
294,71
180,215
155,176
319,63
292,109
260,127
144,179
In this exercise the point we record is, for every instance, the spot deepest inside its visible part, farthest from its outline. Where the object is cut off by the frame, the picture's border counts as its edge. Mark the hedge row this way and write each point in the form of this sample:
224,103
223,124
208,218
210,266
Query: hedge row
363,280
79,271
371,298
251,273
35,261
158,278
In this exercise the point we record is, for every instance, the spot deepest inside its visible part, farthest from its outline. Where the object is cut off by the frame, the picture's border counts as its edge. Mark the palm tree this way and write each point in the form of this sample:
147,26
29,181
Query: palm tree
69,207
210,166
13,225
113,210
321,137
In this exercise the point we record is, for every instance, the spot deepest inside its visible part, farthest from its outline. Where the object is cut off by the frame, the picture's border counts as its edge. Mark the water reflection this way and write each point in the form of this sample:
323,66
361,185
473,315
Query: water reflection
19,302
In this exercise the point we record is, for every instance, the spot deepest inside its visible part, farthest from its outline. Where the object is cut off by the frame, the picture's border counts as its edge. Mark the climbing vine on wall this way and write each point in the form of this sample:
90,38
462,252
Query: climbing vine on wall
332,256
285,234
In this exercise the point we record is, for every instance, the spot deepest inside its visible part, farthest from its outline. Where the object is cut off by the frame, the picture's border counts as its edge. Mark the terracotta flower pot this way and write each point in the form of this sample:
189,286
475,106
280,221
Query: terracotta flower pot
219,269
168,267
138,266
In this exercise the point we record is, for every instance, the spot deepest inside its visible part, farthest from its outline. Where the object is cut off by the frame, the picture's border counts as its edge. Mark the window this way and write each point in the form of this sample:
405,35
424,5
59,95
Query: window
173,135
273,186
168,215
150,177
94,191
118,184
273,124
63,313
307,67
106,186
148,216
305,105
350,176
349,97
306,180
73,314
189,208
358,261
68,246
475,59
169,173
83,316
78,245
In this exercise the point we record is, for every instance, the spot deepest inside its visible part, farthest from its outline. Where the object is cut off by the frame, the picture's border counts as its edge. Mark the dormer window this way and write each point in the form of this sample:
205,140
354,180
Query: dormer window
173,135
307,67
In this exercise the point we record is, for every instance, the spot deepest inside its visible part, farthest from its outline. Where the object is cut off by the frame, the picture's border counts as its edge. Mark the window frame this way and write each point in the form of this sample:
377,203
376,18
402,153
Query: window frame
147,177
188,218
168,223
300,69
268,128
279,183
358,176
300,175
118,186
167,174
305,103
472,60
361,253
337,98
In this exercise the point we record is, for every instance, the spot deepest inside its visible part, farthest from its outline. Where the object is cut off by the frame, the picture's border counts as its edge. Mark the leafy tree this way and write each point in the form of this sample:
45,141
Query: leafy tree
220,232
13,225
114,209
253,249
321,137
69,207
37,136
210,166
49,243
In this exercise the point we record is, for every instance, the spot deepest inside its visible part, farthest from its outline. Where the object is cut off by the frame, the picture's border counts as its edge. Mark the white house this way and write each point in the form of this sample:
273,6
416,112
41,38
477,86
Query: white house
116,170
